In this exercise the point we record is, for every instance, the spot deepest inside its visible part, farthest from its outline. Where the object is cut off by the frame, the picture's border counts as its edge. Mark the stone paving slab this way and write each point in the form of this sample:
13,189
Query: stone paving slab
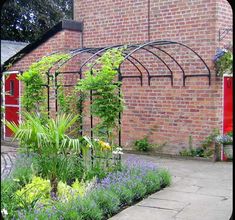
144,213
163,204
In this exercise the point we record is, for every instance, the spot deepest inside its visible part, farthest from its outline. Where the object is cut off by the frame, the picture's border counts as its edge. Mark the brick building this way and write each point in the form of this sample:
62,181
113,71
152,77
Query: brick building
165,113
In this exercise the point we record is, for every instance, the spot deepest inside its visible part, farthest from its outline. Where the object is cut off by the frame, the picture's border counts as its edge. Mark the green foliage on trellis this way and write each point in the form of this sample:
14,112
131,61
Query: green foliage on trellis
35,79
107,103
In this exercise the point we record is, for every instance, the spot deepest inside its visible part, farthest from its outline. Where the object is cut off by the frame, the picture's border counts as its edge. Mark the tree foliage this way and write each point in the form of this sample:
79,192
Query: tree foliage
26,20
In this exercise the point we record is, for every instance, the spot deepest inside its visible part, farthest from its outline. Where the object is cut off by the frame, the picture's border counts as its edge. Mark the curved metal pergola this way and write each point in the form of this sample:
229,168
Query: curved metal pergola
130,53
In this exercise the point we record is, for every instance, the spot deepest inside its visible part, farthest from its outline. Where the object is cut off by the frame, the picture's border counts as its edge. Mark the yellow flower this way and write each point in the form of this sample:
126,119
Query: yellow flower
104,145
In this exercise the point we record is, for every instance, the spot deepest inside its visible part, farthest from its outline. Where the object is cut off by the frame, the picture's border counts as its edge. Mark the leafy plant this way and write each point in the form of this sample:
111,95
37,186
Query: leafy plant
210,138
165,176
152,182
143,145
224,62
22,171
205,150
34,191
137,179
107,103
226,139
107,201
48,141
8,199
86,208
34,79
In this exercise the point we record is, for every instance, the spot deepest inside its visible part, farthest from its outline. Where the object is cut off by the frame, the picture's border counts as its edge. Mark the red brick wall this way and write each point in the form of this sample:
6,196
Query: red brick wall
163,112
62,40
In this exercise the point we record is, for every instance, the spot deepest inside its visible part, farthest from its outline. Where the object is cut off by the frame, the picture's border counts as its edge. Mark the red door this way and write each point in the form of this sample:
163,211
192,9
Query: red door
228,107
11,101
228,104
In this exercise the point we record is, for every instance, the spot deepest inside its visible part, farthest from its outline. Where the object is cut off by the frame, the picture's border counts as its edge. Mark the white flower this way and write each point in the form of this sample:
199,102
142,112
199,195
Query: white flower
225,50
117,152
4,212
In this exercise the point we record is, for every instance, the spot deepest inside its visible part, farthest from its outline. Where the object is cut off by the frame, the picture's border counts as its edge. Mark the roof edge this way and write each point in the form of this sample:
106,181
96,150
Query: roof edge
62,25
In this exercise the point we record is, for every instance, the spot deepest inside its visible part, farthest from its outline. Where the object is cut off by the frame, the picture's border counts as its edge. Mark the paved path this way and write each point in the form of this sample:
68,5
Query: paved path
200,191
8,155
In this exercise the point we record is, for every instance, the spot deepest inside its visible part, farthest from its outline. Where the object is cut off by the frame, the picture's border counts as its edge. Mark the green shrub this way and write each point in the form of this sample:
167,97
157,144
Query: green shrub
152,181
69,167
143,145
137,188
96,170
165,176
125,194
38,192
42,214
38,189
8,199
89,209
107,201
22,171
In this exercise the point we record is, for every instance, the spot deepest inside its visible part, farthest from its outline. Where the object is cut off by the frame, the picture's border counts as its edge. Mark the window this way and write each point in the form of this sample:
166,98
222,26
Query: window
12,87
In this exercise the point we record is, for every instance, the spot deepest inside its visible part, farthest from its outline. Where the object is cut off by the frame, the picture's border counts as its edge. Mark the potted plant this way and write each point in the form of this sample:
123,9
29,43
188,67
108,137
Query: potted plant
227,141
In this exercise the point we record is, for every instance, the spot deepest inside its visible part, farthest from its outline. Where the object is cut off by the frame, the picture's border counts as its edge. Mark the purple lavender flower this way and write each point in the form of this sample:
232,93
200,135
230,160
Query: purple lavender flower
133,173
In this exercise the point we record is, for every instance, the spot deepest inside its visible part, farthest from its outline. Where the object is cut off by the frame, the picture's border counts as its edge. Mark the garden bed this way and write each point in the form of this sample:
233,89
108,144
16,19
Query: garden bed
27,196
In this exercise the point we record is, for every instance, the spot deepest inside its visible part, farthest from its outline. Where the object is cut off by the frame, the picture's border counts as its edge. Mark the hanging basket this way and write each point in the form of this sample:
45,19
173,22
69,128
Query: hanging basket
228,151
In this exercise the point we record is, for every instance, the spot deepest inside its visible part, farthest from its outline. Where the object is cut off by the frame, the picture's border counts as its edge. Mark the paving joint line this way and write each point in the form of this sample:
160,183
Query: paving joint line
196,193
157,207
175,216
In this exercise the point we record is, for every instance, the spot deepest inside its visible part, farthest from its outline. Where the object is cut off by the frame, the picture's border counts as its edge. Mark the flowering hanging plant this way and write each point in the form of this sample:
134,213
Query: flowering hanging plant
223,60
224,139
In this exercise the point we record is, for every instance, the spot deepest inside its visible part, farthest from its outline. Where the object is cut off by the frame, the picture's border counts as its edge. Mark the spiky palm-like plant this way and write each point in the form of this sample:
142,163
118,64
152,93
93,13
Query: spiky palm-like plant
47,140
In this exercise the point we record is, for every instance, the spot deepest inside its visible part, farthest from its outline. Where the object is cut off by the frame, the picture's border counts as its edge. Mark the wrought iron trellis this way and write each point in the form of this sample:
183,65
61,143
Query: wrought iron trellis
129,56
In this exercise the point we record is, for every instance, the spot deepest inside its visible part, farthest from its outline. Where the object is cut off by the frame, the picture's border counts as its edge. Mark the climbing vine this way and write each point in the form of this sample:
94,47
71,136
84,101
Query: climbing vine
35,79
107,103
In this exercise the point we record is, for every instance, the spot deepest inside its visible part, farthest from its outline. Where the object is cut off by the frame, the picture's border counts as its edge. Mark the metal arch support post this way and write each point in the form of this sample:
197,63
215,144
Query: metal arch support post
119,115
